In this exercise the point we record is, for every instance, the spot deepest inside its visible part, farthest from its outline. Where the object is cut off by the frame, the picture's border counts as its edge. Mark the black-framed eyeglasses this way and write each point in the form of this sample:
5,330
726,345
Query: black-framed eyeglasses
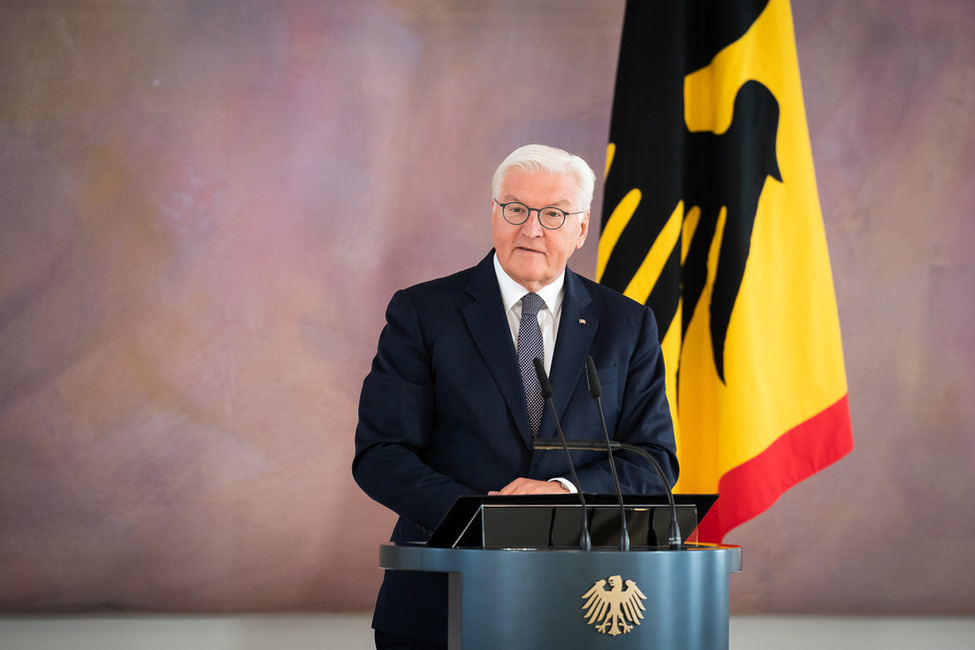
517,213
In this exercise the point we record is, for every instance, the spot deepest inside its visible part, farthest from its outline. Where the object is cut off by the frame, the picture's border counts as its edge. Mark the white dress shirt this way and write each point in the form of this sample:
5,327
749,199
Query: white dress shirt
548,318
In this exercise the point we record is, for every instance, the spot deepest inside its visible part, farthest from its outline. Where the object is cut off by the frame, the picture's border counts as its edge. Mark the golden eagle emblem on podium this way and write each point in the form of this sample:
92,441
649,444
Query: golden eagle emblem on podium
616,610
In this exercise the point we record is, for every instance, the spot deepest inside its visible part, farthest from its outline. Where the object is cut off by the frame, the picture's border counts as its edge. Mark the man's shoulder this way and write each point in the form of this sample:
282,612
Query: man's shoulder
620,315
607,297
453,283
458,282
439,297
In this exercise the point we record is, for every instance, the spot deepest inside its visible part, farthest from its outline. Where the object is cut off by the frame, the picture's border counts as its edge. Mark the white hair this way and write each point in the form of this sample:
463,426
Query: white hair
540,158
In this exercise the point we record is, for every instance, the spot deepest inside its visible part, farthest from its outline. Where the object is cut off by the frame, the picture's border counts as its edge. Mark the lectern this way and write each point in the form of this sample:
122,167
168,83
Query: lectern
536,589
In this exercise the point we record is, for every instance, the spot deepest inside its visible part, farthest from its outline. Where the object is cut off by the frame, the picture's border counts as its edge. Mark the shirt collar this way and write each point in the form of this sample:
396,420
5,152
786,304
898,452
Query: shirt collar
512,292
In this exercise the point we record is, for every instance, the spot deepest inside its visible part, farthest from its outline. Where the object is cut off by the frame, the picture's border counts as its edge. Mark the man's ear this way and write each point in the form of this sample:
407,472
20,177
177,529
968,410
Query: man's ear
584,230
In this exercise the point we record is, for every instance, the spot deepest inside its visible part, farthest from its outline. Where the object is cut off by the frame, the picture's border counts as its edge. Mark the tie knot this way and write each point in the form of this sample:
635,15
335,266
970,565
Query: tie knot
530,304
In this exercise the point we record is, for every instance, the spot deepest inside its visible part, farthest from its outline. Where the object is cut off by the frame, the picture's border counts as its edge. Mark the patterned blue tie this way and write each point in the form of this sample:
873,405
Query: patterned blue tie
530,347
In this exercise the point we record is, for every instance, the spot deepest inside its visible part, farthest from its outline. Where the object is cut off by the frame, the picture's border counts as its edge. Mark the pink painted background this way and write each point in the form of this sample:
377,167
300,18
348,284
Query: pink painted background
205,206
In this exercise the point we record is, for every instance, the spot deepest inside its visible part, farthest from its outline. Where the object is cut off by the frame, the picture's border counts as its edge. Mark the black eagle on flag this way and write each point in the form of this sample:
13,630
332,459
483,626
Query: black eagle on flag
712,218
657,153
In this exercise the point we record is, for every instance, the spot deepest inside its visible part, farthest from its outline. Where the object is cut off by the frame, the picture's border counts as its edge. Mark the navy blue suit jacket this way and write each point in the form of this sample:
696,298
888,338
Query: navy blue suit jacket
442,413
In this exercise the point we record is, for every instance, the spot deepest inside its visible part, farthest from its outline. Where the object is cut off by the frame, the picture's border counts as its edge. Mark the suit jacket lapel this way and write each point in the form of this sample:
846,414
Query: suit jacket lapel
489,328
577,329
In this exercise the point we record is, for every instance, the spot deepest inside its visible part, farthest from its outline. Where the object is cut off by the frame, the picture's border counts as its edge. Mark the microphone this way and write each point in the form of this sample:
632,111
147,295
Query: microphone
585,540
599,445
595,389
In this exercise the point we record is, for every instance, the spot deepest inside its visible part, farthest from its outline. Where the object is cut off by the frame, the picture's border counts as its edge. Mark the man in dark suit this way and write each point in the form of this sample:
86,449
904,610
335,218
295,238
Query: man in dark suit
444,411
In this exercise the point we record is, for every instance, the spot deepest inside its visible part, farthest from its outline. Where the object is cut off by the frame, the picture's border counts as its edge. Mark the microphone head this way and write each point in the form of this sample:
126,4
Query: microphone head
595,389
543,379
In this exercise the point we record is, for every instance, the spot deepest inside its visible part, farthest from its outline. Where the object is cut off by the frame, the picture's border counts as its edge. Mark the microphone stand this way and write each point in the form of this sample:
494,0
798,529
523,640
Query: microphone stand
674,534
595,389
585,539
593,445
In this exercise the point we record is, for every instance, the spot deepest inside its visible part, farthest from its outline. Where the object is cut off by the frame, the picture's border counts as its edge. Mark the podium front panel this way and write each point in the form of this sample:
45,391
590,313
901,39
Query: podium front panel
538,599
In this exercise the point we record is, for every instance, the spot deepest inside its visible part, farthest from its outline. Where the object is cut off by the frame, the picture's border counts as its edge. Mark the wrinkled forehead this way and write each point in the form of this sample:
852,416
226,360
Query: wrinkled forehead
539,188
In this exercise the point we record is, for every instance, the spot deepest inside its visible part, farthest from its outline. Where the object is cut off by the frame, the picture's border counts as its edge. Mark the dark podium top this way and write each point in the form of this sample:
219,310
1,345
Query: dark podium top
555,521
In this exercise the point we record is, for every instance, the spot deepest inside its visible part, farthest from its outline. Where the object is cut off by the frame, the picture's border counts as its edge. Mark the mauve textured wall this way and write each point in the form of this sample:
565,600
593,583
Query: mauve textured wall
205,206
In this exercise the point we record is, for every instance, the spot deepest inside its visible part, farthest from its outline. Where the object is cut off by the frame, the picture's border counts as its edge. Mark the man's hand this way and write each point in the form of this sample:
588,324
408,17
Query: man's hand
530,486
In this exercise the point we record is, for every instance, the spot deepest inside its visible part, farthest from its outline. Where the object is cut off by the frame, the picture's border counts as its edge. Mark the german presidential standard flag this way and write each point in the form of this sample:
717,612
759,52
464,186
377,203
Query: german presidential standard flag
712,219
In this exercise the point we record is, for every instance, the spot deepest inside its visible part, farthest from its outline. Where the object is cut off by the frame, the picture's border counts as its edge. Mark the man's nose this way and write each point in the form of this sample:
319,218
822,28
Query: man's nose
533,227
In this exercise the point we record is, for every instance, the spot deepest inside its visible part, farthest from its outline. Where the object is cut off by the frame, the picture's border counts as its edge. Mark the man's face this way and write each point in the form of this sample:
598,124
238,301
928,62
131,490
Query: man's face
532,255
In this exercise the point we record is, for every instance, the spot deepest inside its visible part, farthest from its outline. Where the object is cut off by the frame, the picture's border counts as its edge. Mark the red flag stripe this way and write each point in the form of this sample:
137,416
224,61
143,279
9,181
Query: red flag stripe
751,488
